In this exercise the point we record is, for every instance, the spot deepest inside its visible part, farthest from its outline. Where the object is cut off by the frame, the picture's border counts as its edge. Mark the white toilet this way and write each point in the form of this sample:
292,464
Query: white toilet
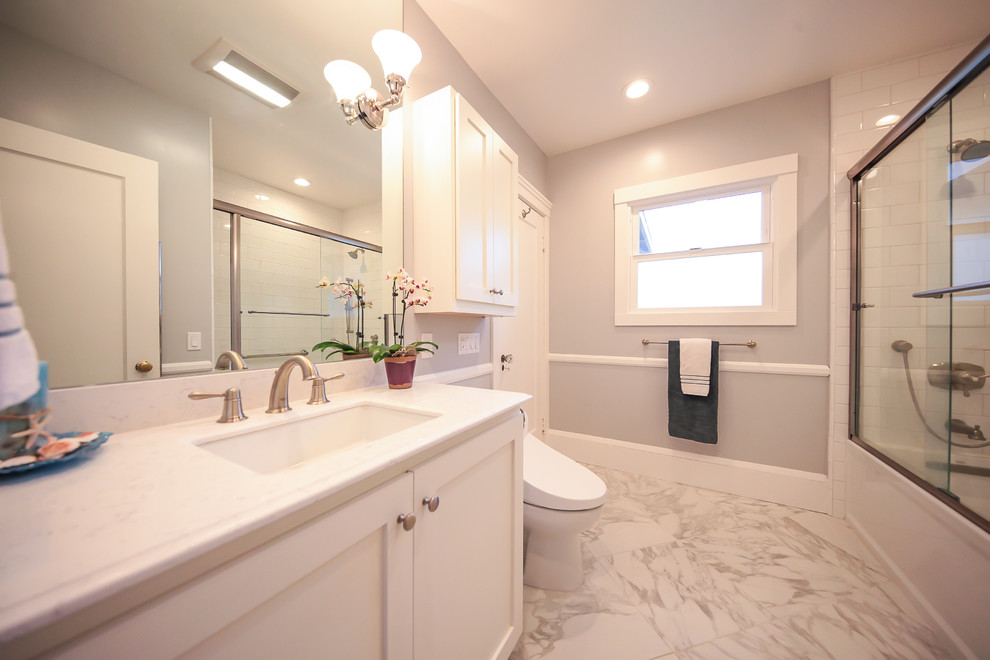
561,498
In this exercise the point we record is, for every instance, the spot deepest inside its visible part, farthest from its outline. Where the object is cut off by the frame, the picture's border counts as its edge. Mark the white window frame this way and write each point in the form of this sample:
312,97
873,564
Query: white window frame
779,306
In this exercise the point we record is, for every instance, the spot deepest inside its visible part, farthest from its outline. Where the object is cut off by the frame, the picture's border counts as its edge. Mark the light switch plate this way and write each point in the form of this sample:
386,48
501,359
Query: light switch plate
468,343
194,341
426,336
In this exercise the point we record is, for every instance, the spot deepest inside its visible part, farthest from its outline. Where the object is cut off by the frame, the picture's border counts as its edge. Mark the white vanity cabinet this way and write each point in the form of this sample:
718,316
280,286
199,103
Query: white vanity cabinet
465,208
354,582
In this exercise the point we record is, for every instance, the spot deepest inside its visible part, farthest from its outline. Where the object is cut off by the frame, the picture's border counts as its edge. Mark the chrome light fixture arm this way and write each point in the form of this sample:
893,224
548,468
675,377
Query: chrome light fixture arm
369,107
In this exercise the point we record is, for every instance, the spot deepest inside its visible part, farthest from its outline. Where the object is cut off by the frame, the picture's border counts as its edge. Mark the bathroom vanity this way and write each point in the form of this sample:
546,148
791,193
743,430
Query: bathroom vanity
403,541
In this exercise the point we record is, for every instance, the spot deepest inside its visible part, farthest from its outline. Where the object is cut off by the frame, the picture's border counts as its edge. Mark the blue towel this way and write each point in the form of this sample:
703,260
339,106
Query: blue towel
691,417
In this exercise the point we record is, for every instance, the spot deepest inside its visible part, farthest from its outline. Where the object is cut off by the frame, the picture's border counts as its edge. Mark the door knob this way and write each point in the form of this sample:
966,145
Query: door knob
408,521
506,360
143,366
432,503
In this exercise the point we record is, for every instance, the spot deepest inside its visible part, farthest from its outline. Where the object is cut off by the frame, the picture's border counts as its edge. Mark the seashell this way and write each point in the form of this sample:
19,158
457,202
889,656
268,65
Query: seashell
57,449
17,460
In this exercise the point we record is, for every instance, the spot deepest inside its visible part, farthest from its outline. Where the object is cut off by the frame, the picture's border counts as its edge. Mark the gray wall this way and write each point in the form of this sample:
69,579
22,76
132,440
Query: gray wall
775,420
51,89
442,65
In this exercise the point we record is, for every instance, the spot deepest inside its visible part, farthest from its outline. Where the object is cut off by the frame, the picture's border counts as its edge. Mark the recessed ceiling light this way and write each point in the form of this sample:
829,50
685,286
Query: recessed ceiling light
301,182
223,61
887,120
636,88
263,198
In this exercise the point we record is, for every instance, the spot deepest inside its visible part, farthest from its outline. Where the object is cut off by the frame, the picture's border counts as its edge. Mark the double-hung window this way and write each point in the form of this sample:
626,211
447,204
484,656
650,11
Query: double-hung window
713,248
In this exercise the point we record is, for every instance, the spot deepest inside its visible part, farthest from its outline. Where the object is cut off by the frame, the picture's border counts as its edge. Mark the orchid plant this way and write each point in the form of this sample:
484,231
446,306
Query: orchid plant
406,292
352,292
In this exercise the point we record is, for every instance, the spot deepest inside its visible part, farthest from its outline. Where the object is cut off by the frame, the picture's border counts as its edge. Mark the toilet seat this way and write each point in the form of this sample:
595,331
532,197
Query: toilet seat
554,481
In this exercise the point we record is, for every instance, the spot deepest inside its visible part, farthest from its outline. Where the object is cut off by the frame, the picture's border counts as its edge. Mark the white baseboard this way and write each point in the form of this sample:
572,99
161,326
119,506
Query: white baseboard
186,367
805,490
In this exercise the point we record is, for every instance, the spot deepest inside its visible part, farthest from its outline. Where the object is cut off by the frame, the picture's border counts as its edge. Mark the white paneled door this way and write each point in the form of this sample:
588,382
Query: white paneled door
81,223
518,349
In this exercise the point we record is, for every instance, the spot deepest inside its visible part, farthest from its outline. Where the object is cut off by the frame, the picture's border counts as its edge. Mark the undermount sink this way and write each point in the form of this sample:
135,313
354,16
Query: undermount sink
299,441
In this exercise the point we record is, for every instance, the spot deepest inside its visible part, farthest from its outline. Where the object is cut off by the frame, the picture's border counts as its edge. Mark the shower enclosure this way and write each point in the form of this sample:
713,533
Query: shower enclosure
921,293
266,302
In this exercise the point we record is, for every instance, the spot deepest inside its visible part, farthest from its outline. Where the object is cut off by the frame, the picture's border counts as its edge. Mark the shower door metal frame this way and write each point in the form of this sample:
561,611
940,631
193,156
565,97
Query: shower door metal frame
965,72
236,213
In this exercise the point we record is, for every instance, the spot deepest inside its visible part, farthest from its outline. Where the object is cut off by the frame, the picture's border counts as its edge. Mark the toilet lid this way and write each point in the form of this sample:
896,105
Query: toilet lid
554,481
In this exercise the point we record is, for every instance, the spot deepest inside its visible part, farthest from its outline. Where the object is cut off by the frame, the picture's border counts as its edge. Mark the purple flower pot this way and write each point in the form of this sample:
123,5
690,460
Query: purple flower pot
399,371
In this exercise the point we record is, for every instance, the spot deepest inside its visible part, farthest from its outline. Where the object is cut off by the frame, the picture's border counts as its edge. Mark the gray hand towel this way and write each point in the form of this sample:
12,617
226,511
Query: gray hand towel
691,417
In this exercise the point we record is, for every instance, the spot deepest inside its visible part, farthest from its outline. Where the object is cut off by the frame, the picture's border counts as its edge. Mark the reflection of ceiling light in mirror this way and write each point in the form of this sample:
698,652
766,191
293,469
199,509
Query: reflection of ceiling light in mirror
887,120
223,61
301,182
636,89
263,198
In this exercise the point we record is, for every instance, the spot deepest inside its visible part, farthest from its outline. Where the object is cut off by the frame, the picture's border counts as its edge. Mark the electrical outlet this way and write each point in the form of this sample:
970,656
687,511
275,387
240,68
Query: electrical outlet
194,341
468,343
426,336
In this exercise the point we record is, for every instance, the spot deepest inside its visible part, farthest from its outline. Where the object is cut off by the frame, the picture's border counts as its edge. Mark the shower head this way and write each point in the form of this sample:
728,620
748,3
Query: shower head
901,346
354,253
970,149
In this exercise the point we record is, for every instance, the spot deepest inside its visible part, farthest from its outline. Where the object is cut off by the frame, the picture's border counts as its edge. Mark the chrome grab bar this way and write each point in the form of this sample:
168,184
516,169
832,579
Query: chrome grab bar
254,311
938,293
301,351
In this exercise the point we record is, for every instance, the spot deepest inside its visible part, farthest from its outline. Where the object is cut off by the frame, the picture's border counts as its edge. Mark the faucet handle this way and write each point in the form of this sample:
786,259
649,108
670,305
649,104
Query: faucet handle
232,409
319,394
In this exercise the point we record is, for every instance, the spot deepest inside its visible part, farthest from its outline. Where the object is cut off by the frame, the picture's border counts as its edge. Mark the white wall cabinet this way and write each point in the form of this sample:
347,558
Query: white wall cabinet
465,208
354,583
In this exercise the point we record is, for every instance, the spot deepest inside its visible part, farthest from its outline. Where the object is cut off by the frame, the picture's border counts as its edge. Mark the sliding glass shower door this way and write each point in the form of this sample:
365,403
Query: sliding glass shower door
920,351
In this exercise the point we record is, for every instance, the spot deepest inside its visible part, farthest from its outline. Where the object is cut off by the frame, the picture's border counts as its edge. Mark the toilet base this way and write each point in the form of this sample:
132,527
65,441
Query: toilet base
553,557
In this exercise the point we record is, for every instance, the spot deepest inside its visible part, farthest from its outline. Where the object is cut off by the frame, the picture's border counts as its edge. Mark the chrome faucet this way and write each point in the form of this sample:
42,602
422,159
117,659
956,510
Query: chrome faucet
230,360
278,400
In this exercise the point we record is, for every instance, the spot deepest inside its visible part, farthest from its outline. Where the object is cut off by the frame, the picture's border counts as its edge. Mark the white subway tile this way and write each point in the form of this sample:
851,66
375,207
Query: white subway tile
912,91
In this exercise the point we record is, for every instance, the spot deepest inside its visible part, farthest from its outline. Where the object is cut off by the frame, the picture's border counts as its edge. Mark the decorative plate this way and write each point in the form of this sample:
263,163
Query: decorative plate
87,444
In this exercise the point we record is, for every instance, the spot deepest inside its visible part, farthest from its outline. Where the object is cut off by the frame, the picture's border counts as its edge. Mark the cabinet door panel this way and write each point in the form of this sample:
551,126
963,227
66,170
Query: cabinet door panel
340,586
473,228
469,551
505,238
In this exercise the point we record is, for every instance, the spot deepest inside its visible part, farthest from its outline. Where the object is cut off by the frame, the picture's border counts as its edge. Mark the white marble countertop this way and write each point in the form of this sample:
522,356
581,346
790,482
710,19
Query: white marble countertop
151,500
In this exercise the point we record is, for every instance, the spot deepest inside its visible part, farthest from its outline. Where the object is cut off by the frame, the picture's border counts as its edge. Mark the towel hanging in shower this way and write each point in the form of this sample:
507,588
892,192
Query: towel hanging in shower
691,417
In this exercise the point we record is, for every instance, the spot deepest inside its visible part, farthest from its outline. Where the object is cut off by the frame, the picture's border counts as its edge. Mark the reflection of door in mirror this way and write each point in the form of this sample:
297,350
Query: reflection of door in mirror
96,268
276,265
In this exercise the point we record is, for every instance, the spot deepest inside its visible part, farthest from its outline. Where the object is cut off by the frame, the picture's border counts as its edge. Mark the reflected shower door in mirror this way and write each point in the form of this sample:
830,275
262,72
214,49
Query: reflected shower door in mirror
119,74
276,308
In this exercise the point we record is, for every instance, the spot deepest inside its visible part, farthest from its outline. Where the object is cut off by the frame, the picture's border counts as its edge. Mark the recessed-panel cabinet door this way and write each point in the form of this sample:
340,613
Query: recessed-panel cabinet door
505,238
468,598
473,208
337,587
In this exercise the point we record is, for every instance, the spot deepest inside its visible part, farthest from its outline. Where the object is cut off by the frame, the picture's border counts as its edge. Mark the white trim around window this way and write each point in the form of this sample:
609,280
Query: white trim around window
779,306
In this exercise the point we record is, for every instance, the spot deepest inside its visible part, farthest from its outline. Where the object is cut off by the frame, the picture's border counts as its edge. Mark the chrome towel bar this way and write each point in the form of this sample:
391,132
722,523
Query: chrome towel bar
749,344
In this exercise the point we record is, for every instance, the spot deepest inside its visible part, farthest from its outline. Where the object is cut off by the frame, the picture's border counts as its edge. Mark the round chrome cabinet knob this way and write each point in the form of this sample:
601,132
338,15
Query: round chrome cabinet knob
408,521
432,503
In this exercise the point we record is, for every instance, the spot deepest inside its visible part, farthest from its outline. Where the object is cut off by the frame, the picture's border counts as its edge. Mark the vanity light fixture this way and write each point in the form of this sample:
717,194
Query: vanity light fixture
636,88
399,54
224,61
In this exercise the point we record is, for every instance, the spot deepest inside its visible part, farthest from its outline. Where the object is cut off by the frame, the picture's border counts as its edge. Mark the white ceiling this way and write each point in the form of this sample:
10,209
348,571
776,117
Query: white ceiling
558,66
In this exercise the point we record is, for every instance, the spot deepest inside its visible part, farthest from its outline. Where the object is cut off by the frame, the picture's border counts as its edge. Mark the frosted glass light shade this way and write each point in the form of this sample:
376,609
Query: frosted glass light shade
398,52
348,79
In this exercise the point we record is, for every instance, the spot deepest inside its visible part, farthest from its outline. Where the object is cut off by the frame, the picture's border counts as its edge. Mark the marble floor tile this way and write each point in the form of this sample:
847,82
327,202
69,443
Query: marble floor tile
783,568
591,623
685,600
624,525
679,572
863,626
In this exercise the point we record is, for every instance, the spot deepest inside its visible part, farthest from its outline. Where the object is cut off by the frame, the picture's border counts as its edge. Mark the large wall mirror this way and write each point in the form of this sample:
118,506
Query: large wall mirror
119,74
